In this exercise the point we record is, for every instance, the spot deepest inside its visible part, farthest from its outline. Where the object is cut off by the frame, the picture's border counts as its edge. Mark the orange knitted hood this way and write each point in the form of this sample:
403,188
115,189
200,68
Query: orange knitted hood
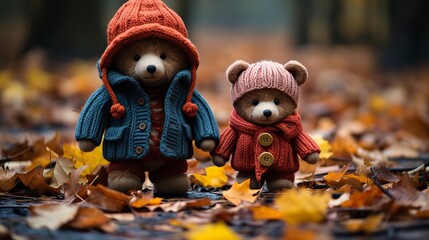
139,19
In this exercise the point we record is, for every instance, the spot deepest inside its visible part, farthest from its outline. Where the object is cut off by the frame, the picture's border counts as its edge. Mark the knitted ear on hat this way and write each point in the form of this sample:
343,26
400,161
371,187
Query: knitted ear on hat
235,69
298,71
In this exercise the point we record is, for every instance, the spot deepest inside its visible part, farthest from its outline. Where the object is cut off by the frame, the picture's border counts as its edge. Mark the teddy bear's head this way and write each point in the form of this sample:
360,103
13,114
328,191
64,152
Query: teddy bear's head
153,62
265,92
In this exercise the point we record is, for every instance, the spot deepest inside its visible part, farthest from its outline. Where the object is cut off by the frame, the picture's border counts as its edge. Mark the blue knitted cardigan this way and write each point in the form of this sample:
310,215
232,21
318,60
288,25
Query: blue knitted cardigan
128,137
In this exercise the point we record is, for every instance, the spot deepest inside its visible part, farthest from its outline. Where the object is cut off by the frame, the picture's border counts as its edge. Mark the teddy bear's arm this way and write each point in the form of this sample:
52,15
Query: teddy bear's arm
227,144
204,125
305,145
93,118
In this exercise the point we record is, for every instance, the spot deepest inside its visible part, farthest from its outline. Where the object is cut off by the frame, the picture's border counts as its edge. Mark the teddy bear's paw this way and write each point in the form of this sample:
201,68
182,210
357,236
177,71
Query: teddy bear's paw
86,145
174,185
123,181
218,160
279,184
312,158
208,145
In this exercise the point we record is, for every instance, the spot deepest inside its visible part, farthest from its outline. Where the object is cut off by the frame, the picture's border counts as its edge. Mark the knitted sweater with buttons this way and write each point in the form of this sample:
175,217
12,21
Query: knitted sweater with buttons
128,137
247,144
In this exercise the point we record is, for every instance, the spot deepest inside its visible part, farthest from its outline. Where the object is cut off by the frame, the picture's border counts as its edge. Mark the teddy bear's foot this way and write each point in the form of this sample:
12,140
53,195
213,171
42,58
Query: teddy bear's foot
279,184
174,185
254,184
123,181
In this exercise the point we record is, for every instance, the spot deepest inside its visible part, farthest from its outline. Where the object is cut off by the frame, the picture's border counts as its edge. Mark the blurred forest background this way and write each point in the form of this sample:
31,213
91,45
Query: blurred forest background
368,59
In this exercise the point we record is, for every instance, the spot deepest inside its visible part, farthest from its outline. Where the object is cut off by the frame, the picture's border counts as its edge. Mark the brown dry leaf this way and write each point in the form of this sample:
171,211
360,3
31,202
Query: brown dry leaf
73,189
367,198
56,144
8,180
35,182
422,202
51,216
99,176
303,206
404,191
367,225
265,213
383,174
62,169
107,199
241,192
91,218
181,205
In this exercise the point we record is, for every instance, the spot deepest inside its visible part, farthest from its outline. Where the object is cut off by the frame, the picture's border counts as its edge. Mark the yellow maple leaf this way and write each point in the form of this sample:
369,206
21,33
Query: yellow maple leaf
215,177
302,205
325,147
212,232
241,192
89,159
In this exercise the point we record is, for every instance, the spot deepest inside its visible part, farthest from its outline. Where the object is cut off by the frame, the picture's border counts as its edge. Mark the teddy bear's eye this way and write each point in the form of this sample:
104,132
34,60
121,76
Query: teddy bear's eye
255,102
163,56
136,57
276,101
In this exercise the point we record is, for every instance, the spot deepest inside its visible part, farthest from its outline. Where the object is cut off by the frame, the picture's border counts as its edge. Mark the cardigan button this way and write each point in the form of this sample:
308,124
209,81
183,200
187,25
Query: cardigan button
138,149
141,101
265,139
266,159
142,126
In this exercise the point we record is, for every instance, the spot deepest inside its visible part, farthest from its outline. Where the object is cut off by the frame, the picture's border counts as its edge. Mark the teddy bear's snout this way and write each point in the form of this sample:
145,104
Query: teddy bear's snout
151,69
267,113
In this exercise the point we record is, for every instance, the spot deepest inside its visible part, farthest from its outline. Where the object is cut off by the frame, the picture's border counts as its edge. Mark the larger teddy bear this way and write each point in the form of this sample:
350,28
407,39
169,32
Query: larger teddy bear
147,108
265,135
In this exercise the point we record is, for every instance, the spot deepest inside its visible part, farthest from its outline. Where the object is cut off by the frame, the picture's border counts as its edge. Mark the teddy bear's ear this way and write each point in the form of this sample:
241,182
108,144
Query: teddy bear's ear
298,71
235,69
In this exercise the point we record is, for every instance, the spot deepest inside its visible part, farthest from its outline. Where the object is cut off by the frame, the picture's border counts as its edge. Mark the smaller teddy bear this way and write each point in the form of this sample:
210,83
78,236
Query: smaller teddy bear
265,134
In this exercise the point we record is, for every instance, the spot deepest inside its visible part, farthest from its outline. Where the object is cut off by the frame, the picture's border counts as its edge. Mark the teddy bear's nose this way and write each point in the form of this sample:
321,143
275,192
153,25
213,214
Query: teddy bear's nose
267,113
151,69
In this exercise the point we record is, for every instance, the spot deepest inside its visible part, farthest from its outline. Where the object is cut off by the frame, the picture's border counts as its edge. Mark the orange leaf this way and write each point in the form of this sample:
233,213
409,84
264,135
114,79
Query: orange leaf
265,213
91,218
241,192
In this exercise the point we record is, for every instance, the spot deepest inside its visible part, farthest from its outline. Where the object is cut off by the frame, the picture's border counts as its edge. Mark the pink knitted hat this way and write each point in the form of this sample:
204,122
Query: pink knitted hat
139,19
246,77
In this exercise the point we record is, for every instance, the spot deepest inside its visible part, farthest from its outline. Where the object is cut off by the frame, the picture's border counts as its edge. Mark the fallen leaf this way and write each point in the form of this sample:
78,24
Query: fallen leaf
180,205
339,179
241,192
367,225
91,218
296,233
107,199
51,216
8,180
265,213
303,206
325,147
404,191
146,201
370,197
212,232
215,177
62,169
73,189
36,184
56,144
91,159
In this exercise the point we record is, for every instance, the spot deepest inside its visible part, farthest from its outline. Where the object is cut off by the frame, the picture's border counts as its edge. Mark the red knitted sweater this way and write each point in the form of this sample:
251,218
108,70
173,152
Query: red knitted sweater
241,140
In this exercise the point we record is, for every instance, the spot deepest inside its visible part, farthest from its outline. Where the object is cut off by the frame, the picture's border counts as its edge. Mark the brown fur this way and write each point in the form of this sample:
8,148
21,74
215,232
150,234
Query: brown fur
244,106
176,58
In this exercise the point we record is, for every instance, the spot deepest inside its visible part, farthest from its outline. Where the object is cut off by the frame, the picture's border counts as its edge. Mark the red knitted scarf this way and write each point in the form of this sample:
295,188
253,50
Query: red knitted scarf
290,125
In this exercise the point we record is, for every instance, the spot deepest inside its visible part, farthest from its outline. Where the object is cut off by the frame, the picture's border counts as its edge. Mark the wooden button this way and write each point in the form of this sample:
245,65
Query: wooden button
142,126
265,139
266,159
138,149
141,101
